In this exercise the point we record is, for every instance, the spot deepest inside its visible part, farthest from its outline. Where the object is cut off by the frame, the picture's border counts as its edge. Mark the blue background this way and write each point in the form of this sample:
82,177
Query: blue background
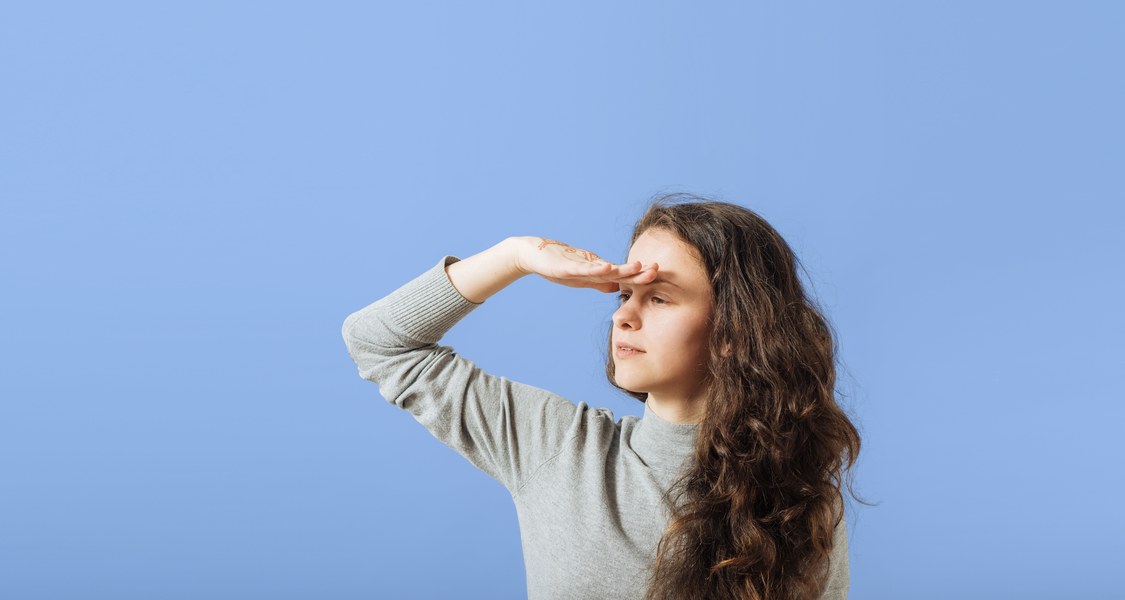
195,196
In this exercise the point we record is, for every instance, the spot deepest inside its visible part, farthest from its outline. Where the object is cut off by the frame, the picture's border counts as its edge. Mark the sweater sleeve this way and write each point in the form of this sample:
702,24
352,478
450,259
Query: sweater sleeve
839,569
505,428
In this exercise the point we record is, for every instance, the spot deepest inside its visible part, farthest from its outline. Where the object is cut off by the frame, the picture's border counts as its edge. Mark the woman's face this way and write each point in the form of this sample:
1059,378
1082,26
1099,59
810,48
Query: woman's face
667,319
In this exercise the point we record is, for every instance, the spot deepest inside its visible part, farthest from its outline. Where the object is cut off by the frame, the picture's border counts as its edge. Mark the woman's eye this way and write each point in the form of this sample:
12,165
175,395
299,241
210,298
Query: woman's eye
623,297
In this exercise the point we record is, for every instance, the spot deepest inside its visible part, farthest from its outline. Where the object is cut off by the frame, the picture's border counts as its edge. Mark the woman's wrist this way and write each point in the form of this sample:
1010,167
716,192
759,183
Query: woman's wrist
517,245
483,274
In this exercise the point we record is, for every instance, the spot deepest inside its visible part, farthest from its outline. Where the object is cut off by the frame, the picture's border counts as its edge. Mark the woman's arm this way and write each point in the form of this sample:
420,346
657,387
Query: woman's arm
504,427
483,274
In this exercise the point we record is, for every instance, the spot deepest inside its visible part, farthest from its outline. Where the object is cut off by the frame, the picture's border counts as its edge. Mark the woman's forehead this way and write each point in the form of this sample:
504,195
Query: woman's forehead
655,244
678,261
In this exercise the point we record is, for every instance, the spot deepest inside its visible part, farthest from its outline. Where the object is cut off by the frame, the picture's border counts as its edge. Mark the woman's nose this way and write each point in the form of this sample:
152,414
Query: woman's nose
625,315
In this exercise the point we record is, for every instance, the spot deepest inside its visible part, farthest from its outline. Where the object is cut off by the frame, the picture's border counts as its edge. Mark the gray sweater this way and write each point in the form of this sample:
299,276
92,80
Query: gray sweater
586,487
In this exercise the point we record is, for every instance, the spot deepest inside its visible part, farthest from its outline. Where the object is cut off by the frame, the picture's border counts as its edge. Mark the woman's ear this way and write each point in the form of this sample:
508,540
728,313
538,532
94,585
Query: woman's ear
726,349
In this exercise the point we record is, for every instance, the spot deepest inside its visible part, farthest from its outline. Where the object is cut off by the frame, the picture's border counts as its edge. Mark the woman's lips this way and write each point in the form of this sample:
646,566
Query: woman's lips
622,352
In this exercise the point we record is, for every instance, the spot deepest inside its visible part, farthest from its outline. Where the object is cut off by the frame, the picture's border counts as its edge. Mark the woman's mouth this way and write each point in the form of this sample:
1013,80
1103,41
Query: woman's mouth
626,352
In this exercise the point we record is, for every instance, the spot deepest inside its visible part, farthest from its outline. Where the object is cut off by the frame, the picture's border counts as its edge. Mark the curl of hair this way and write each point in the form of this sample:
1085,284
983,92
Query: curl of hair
754,515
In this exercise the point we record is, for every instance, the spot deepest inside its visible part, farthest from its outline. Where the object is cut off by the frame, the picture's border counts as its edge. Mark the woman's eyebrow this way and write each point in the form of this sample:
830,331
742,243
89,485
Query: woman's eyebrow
660,280
668,281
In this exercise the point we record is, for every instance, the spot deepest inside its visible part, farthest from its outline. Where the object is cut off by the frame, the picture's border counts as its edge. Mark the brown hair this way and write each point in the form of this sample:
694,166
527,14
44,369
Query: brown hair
763,496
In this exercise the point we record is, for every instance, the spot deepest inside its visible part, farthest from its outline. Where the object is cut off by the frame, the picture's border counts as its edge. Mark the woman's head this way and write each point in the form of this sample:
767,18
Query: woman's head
668,321
731,266
752,360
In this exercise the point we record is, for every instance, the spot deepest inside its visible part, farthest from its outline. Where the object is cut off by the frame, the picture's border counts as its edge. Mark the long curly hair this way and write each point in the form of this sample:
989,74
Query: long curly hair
754,515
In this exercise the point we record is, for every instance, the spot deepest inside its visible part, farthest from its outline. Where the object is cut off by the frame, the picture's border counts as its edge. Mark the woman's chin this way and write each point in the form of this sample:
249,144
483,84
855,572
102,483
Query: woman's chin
622,382
629,384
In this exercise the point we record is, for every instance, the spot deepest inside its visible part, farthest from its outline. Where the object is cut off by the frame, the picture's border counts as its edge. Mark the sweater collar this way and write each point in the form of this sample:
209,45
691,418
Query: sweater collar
662,444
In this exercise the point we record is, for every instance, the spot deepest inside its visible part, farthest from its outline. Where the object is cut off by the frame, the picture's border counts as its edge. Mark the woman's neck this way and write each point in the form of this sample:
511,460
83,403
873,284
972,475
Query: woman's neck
677,411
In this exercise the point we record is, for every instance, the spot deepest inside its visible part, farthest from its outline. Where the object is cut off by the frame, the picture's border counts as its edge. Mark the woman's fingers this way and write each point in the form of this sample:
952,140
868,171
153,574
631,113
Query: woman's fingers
624,271
634,271
635,268
612,271
606,276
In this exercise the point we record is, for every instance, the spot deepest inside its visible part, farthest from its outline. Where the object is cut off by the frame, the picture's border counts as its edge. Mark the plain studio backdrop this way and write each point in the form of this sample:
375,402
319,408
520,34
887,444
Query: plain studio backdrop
195,196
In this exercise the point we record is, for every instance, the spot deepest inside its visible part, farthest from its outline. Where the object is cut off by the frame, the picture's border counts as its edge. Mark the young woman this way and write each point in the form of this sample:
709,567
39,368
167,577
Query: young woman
729,486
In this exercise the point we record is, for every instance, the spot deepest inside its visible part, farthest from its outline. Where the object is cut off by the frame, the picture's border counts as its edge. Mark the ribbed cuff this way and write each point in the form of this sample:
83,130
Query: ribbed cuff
428,306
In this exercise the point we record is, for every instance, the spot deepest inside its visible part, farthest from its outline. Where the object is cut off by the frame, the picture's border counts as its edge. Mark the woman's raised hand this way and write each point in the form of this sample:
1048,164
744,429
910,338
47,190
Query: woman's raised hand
564,264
